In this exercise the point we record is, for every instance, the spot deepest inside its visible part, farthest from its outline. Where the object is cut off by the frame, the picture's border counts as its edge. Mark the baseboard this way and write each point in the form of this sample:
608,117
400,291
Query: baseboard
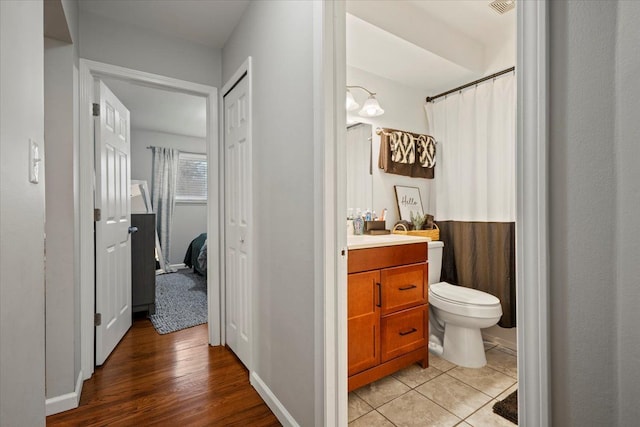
501,336
272,401
64,402
179,266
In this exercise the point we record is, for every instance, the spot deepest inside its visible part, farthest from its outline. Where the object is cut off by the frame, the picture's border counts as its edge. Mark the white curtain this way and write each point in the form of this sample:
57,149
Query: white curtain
476,135
163,196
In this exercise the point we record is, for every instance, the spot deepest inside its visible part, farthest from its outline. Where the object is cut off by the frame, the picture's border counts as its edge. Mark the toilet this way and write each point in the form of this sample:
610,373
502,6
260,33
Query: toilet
456,315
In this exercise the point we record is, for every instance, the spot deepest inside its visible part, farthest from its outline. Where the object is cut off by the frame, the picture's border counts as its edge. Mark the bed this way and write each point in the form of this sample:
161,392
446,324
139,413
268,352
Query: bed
196,255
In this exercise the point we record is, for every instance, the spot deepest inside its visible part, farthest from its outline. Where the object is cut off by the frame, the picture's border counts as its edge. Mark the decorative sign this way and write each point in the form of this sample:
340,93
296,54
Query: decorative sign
408,199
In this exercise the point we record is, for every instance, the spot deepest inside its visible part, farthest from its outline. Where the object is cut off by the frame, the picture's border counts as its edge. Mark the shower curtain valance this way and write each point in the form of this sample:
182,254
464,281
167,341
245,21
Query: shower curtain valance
407,153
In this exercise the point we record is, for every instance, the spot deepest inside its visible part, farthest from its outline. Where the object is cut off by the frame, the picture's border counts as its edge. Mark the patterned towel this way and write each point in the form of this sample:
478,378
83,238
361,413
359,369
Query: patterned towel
402,148
426,147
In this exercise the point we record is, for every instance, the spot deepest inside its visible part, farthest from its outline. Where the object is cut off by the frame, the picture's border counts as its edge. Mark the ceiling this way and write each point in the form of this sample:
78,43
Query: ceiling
471,17
433,45
209,23
379,52
162,110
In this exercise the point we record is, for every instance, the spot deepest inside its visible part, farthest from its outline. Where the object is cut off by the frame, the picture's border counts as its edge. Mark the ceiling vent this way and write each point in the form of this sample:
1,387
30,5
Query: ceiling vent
502,6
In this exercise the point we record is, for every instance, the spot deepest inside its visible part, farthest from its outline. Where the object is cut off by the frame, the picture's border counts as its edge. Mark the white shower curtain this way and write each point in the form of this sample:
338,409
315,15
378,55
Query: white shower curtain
475,131
476,134
163,196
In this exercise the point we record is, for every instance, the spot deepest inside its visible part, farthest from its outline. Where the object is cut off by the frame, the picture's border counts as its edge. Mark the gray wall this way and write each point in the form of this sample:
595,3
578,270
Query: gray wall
190,219
62,273
105,40
628,204
21,216
60,277
593,154
278,35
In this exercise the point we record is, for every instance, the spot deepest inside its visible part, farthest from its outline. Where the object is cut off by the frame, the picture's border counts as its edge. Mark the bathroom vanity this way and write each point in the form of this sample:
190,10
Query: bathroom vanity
387,305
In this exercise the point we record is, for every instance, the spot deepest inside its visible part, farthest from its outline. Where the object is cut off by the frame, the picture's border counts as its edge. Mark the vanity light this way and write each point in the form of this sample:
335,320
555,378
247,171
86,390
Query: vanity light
351,102
371,107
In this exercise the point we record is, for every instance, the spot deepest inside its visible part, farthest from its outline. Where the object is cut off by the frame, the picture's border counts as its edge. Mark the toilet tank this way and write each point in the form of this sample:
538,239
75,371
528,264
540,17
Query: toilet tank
435,261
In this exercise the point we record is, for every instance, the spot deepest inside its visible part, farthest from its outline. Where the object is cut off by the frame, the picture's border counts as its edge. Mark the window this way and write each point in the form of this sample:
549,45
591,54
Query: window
192,178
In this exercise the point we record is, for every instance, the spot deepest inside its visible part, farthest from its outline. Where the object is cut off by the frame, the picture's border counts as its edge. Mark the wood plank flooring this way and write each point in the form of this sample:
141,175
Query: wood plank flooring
168,380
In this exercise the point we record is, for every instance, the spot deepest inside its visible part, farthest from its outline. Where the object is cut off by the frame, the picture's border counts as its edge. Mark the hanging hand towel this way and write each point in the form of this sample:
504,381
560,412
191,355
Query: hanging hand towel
402,148
386,156
426,147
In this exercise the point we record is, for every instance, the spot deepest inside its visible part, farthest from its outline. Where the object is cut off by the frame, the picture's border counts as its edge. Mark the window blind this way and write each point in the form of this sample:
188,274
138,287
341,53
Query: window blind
192,177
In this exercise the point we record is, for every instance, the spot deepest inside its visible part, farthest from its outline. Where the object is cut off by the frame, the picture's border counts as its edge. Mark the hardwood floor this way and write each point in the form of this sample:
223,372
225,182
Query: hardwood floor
172,380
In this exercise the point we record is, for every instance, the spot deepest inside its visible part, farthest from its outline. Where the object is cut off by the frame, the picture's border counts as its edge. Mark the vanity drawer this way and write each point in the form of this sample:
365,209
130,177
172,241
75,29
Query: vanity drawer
404,287
403,332
386,256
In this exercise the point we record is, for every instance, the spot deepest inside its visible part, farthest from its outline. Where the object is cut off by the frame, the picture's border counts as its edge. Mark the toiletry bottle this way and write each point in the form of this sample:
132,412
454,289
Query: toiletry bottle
358,225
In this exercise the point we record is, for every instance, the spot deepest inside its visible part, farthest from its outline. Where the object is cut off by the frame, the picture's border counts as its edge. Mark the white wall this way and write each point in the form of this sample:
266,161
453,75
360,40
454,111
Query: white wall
403,109
105,40
190,219
628,206
582,217
502,54
21,216
279,37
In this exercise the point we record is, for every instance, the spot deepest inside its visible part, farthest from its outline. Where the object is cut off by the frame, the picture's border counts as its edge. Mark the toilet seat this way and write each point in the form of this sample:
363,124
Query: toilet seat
464,301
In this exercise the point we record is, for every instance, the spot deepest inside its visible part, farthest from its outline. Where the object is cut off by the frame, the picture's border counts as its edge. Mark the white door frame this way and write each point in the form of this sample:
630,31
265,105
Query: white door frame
532,211
89,70
245,68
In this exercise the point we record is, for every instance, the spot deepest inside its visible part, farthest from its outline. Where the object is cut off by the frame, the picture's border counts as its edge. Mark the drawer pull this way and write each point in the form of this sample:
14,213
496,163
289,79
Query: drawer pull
406,288
379,304
410,331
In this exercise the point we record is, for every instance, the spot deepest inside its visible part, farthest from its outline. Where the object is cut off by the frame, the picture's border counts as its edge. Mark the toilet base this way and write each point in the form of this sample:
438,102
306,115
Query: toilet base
464,346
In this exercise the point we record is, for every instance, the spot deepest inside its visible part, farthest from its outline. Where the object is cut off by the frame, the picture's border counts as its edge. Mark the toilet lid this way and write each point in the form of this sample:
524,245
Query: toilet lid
462,295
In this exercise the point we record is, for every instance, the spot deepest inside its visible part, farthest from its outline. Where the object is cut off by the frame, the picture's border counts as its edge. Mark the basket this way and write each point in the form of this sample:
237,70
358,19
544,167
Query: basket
433,234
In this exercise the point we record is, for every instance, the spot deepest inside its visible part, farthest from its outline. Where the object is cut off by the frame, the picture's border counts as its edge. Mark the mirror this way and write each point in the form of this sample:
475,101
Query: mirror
141,203
359,167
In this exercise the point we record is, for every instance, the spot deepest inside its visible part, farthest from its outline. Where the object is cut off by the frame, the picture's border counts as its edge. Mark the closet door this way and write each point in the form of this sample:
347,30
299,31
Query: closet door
238,262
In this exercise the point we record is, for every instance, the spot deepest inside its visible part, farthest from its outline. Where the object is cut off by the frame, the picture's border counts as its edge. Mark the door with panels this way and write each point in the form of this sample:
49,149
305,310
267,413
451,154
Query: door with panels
238,208
113,221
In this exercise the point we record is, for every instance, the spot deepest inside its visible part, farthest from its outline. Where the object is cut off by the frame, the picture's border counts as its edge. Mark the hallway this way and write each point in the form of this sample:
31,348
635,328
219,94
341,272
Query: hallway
173,379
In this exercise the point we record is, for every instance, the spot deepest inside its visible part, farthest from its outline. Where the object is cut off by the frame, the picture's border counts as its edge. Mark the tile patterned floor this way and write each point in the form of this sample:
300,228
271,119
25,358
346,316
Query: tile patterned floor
443,395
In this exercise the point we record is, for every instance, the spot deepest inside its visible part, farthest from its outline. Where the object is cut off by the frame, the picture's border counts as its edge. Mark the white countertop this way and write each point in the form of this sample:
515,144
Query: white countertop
375,241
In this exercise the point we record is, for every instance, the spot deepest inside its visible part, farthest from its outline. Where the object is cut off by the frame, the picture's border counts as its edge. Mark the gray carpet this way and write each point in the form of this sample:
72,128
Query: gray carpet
181,301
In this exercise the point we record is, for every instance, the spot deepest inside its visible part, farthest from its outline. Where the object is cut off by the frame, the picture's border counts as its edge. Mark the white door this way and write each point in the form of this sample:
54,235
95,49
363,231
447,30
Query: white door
113,243
237,198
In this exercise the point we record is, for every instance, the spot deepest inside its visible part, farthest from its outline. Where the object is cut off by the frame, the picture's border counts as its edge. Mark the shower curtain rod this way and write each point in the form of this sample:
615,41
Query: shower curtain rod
149,147
492,76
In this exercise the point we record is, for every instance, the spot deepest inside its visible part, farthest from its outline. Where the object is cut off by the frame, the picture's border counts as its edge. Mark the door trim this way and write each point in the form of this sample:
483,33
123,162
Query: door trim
532,229
532,284
244,71
330,134
89,70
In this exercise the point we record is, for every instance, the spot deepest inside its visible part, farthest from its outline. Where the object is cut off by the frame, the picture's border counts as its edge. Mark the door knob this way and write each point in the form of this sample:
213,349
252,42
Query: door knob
133,230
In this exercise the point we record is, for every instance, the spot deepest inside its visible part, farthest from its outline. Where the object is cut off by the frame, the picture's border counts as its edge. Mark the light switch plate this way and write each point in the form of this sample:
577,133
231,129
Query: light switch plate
34,161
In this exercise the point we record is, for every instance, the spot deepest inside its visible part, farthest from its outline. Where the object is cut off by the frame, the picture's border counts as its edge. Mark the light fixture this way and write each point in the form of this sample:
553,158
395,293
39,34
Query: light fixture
371,107
351,102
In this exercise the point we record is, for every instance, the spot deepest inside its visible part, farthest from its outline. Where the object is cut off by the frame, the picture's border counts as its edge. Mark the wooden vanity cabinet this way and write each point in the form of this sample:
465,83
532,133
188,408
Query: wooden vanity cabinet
387,311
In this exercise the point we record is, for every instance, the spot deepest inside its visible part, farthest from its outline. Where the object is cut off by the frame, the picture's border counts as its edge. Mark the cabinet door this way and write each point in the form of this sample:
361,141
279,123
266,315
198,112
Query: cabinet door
364,321
404,287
